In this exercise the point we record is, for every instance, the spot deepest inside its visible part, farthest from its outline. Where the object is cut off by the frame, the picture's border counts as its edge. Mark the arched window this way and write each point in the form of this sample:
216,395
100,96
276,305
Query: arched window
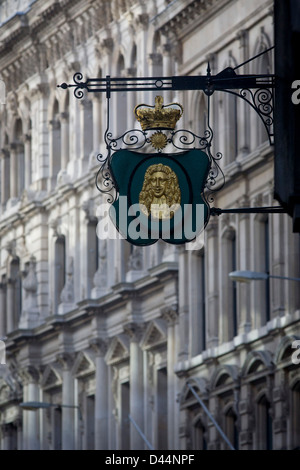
125,410
162,409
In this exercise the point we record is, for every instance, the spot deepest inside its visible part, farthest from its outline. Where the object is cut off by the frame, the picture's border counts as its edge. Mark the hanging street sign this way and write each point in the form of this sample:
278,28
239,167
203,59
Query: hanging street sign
158,194
159,181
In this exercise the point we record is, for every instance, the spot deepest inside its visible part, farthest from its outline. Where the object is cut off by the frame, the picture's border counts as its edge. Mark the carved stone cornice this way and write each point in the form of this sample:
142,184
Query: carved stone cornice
170,314
172,25
243,202
4,153
41,90
155,58
65,360
134,331
130,72
107,45
87,207
54,124
29,374
26,138
64,116
99,346
242,37
142,21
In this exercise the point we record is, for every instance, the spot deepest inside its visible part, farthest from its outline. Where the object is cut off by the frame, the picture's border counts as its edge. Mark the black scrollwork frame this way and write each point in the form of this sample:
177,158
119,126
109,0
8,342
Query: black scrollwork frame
179,140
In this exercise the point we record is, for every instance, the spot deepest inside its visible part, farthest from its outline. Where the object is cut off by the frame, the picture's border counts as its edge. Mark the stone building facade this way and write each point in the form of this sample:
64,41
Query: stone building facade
124,335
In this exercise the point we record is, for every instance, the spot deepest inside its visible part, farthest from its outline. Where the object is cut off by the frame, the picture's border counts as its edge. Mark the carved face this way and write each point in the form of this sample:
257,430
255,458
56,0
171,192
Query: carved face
158,182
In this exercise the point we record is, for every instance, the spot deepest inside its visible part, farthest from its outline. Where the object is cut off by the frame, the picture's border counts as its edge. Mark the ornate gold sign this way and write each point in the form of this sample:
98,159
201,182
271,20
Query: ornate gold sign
160,194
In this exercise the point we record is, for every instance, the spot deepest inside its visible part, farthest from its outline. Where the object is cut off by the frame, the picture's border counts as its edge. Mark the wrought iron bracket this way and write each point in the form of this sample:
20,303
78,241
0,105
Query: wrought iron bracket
248,210
256,90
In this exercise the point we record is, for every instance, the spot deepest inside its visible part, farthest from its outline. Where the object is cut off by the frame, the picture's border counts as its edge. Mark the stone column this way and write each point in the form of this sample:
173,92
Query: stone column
134,331
281,411
170,314
5,176
86,128
68,432
243,293
54,152
131,100
2,309
30,378
243,106
212,283
101,396
13,171
155,64
167,69
278,263
27,160
100,278
141,24
246,418
10,305
64,126
183,304
97,127
40,95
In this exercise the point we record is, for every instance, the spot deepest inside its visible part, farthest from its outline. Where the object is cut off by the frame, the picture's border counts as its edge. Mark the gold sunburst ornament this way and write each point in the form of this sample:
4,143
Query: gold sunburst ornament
158,140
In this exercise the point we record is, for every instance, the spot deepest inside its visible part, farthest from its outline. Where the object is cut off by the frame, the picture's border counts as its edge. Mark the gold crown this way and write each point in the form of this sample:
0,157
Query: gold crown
158,116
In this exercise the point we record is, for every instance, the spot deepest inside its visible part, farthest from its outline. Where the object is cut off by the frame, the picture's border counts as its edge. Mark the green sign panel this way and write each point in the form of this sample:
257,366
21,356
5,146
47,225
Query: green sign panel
160,196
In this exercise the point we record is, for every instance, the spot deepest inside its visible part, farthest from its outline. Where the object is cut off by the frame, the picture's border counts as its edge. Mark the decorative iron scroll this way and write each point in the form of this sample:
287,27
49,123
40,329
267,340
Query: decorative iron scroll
261,100
136,139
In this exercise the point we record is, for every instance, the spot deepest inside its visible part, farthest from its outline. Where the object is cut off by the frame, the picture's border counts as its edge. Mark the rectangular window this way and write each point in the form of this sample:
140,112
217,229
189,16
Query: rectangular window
162,409
90,422
125,410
